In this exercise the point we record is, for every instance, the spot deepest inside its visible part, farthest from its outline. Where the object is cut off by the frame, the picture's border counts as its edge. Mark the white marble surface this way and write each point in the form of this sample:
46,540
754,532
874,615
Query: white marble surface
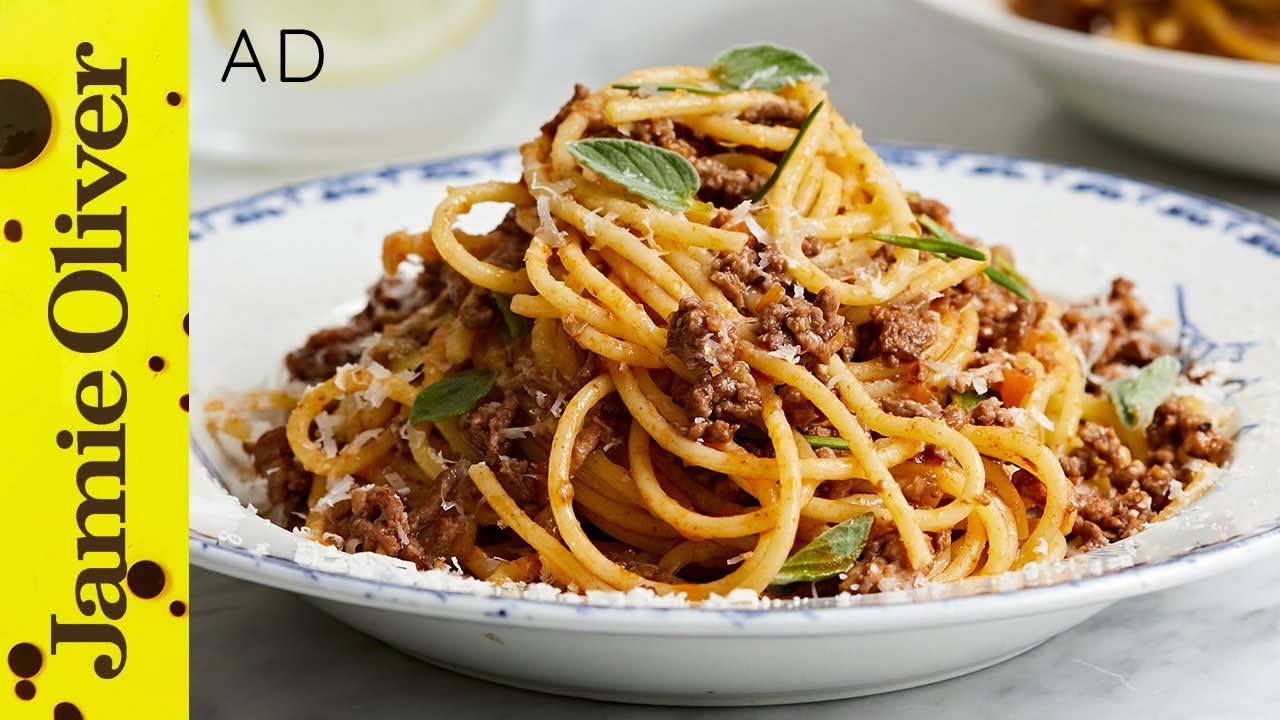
1208,650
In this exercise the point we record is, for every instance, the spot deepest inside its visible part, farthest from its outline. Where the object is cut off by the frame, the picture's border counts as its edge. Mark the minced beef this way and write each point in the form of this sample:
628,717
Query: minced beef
816,329
933,208
288,482
1178,433
1005,321
724,395
325,351
797,407
1112,331
775,112
991,412
952,415
405,310
428,536
485,427
1102,454
1114,517
391,301
720,403
756,265
898,333
884,564
1031,488
525,481
700,337
1139,489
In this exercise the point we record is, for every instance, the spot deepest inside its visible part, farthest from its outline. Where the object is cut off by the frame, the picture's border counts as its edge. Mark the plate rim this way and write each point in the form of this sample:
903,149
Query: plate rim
1104,588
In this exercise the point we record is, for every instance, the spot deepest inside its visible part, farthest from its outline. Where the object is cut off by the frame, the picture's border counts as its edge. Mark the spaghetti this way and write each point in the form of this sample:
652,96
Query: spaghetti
1245,29
691,401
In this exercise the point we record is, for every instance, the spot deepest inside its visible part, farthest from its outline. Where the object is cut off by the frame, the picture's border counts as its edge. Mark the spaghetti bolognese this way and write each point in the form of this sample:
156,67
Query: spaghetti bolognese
712,346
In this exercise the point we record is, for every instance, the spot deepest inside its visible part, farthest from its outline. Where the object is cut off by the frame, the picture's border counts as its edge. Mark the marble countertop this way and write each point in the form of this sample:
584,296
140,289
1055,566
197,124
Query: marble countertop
1206,650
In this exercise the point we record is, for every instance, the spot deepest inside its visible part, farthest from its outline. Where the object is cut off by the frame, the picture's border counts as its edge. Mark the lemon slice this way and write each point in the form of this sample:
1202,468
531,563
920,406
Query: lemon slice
364,40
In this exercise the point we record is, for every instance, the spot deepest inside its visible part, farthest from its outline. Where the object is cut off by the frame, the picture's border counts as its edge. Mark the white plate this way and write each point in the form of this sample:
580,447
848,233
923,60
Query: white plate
269,269
1220,112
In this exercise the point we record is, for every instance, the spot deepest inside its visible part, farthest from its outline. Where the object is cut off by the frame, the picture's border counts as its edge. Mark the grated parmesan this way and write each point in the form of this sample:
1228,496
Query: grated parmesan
1043,420
756,229
790,353
337,490
325,424
363,438
396,482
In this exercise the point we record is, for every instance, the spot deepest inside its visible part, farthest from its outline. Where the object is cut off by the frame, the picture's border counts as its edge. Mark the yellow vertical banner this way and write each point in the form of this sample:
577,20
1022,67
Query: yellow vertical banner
93,349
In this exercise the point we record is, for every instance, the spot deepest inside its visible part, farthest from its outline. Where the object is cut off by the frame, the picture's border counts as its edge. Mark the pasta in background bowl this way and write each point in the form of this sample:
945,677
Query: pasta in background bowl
1220,112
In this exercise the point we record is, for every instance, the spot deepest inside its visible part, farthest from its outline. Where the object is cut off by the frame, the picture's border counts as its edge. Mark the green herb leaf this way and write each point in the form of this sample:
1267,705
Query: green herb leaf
671,87
765,67
831,553
656,174
932,244
513,325
1136,398
967,400
452,395
1000,278
782,162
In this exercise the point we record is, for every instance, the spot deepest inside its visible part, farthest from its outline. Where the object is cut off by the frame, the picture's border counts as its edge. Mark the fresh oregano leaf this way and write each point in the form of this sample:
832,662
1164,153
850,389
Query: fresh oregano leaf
831,553
1136,398
451,395
651,172
765,67
513,325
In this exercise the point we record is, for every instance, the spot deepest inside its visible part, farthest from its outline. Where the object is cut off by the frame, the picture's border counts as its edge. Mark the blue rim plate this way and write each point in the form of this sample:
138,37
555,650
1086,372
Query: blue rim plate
1255,235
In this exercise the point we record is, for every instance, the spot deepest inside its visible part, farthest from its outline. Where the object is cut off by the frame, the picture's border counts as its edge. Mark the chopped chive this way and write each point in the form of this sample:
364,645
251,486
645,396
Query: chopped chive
1001,271
670,87
1007,268
821,441
818,441
933,245
936,228
777,170
998,277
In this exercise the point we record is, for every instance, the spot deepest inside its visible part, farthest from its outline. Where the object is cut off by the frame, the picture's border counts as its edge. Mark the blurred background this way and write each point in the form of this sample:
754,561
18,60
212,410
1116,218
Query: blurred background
407,80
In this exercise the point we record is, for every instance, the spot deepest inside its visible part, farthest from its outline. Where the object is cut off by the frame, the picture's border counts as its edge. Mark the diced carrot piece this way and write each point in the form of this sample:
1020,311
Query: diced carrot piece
1015,385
